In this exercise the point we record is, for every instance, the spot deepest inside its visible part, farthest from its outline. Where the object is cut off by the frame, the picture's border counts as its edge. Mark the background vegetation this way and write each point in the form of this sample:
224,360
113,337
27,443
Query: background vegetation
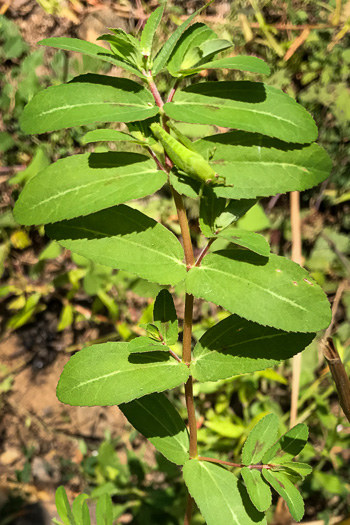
53,303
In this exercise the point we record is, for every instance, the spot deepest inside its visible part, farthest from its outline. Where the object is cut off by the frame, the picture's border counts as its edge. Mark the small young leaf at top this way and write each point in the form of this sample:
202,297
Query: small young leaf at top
104,510
147,36
260,439
124,48
258,490
288,446
155,417
63,507
165,318
287,491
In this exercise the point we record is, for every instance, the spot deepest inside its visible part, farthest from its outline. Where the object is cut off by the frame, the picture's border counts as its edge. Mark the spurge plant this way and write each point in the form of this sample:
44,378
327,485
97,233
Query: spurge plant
275,306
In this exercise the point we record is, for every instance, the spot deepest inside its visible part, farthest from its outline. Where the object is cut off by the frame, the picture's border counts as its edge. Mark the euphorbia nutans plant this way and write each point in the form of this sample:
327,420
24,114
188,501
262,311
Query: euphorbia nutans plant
274,306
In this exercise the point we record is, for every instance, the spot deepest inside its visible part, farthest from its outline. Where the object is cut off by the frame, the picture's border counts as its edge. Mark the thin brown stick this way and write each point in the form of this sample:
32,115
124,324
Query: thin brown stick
296,257
339,375
185,231
189,508
341,288
204,251
230,464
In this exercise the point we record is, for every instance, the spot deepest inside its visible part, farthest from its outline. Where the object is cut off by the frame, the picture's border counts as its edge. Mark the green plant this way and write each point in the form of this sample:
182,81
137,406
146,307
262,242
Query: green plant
275,306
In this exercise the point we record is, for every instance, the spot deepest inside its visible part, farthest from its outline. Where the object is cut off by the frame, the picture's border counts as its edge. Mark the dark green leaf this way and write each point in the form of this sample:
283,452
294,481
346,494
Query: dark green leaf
104,510
124,239
146,344
109,374
258,490
157,419
90,49
288,446
147,36
249,106
83,184
85,100
235,346
253,241
274,291
165,318
287,491
260,439
220,498
165,52
210,208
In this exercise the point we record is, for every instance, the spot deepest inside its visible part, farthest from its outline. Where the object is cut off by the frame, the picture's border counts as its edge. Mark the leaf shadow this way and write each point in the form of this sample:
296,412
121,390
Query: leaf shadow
243,255
114,159
241,91
252,512
123,84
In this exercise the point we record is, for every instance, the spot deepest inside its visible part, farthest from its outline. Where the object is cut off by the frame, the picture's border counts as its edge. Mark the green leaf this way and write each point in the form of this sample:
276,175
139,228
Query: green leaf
259,166
288,446
287,491
249,106
235,346
194,35
83,184
85,100
253,241
110,135
260,439
38,163
147,36
233,211
258,490
104,510
274,292
124,239
63,507
80,510
90,49
302,469
210,208
219,496
109,374
165,52
146,344
155,417
240,63
165,318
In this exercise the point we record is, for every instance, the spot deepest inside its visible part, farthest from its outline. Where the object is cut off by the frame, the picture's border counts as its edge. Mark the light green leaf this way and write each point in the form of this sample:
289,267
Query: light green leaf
249,106
146,344
109,374
255,220
80,510
259,166
38,163
63,507
147,36
287,491
83,184
124,239
66,317
165,318
302,469
165,52
85,100
233,211
240,63
90,49
236,346
155,417
260,439
288,446
253,241
194,35
219,496
258,490
274,292
110,135
104,510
